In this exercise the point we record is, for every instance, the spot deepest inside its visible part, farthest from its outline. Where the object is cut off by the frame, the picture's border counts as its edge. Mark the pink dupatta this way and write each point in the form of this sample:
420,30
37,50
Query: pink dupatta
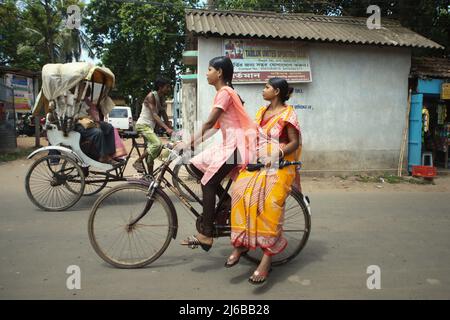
246,143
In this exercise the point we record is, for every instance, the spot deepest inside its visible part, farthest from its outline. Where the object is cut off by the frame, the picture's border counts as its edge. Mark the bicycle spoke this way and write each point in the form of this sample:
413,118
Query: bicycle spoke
45,183
142,242
295,229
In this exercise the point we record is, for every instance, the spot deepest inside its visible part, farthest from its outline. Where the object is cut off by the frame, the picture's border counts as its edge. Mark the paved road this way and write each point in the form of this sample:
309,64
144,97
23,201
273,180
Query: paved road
406,234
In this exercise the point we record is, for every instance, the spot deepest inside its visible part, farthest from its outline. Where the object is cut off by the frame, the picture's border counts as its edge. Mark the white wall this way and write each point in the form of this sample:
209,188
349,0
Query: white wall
358,99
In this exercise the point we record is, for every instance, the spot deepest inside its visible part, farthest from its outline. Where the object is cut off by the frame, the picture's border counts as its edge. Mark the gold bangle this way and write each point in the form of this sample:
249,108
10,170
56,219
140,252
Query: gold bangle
282,153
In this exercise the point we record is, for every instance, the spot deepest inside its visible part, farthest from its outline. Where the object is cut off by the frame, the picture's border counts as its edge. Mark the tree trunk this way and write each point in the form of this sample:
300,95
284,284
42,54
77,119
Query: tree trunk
49,33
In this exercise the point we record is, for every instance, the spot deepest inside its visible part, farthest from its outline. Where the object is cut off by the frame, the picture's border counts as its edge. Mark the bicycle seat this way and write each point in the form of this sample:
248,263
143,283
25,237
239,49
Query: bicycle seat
130,134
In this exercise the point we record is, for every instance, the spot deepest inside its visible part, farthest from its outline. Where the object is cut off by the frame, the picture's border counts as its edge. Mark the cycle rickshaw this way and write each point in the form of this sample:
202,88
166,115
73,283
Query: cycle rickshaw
131,225
66,171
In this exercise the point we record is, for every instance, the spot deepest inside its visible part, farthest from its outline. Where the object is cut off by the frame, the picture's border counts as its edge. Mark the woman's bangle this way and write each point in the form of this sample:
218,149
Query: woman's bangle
282,153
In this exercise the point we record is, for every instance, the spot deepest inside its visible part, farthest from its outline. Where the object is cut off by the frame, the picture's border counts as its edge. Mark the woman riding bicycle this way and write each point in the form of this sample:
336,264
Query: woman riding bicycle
215,163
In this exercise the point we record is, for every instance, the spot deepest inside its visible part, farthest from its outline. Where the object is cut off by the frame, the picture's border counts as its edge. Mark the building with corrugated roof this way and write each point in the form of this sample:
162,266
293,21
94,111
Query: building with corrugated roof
350,81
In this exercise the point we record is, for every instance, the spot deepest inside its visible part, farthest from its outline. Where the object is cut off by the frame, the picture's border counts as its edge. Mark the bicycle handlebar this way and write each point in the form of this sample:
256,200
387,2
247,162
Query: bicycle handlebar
283,163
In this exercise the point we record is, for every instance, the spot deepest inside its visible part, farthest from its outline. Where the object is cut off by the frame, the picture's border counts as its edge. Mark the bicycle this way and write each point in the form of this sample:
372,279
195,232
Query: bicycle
131,225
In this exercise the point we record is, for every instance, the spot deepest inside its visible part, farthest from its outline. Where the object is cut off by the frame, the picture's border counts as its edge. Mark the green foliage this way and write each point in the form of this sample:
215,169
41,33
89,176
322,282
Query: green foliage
318,7
140,41
391,179
430,18
137,42
34,33
14,40
14,155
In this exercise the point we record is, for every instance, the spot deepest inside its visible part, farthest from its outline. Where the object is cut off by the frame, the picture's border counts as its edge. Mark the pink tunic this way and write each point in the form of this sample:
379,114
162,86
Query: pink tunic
233,123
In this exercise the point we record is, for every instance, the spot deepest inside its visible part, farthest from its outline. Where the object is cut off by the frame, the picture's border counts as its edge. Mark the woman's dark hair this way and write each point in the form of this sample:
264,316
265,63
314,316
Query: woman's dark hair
227,67
160,82
283,86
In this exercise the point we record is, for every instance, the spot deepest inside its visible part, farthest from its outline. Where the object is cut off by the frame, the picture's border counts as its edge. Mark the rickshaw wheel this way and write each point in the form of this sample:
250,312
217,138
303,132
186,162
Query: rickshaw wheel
54,182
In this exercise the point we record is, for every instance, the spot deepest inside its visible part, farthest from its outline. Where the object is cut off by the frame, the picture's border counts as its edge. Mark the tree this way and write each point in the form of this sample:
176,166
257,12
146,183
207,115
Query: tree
14,40
282,6
34,33
430,18
137,42
45,19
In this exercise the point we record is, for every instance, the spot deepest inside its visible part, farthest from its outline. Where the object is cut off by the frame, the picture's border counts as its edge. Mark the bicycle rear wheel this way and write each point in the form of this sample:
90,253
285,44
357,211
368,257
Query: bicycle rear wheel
118,244
296,230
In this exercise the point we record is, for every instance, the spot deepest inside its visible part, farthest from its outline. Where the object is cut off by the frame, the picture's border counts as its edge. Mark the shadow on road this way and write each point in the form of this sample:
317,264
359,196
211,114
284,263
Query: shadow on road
313,252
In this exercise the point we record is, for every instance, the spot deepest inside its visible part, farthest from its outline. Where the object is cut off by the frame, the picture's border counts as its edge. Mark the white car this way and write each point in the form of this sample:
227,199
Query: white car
121,118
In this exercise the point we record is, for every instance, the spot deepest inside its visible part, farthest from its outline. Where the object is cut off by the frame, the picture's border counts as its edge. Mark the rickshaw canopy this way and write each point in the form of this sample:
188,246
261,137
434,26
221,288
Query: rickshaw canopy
59,78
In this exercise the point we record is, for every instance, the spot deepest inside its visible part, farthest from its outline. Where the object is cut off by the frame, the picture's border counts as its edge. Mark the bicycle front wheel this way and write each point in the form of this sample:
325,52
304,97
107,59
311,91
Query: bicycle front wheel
130,247
296,230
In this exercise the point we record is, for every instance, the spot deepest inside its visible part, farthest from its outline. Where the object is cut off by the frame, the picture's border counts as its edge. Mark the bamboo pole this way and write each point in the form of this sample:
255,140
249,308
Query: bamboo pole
404,136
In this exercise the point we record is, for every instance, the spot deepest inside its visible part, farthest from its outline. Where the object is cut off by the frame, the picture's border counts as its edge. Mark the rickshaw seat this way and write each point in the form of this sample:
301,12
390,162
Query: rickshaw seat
130,134
74,142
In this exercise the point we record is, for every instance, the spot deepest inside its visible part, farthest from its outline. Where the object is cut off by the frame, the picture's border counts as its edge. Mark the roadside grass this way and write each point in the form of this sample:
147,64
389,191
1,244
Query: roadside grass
15,155
391,179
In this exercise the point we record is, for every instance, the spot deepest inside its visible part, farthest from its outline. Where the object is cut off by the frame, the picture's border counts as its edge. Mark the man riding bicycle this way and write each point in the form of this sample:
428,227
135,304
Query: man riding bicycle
154,104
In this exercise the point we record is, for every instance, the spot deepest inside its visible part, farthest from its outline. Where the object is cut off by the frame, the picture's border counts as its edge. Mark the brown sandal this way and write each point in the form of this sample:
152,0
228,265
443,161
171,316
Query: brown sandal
235,262
264,276
193,243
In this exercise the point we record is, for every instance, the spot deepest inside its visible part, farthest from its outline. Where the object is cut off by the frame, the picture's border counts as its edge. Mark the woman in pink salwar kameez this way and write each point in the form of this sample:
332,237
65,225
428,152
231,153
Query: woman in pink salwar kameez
235,151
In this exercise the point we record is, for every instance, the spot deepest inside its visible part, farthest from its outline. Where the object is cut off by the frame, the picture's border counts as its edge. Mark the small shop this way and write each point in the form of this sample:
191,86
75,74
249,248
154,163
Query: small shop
430,113
24,85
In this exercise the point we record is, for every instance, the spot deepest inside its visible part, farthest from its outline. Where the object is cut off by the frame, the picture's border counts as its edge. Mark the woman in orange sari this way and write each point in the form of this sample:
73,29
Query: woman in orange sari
258,196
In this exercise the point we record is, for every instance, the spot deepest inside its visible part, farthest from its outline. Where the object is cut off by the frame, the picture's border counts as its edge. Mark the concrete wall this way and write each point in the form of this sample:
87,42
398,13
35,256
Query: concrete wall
353,112
189,106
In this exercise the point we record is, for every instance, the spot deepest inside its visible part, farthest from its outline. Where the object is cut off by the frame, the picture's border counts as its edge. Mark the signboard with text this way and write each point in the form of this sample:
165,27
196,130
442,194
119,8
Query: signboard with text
23,91
445,93
256,61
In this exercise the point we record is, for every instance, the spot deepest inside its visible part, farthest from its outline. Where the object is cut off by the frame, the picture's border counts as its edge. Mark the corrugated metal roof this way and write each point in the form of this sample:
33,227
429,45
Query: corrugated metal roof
303,27
430,67
19,71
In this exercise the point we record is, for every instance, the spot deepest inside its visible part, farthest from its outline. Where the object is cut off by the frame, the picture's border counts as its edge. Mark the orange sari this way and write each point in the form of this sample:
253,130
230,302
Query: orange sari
258,197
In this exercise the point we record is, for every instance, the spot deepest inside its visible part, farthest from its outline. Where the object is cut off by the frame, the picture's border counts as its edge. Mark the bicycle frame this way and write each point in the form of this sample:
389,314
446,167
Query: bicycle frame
161,179
155,184
118,174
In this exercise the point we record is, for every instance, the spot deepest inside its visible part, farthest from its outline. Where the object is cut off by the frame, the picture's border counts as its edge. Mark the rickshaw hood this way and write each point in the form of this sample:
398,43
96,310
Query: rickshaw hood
58,78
